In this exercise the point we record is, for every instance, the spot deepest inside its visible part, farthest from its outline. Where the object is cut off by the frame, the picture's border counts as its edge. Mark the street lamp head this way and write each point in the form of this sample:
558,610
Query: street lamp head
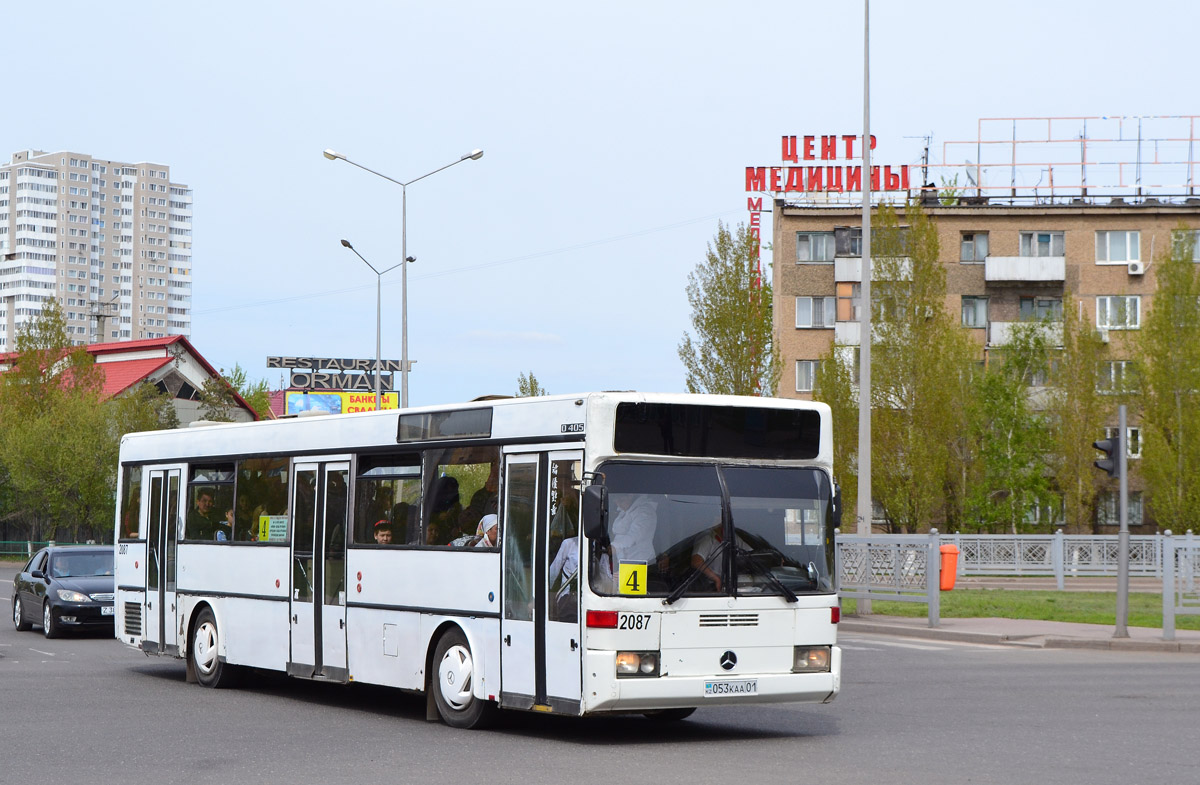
332,155
411,259
346,244
474,155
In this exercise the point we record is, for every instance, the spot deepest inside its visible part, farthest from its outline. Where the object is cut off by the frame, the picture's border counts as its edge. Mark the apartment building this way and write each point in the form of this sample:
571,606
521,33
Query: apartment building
1005,262
110,241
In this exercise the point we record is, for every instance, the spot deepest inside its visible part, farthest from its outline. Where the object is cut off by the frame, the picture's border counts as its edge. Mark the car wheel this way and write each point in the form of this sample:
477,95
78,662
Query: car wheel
206,643
49,625
19,616
453,685
669,715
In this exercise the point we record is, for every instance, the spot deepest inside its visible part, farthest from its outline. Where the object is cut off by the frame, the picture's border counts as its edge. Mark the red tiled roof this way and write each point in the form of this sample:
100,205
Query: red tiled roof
120,375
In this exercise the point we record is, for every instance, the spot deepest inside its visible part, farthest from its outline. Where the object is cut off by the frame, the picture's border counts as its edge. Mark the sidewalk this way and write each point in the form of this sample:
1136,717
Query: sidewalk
1025,632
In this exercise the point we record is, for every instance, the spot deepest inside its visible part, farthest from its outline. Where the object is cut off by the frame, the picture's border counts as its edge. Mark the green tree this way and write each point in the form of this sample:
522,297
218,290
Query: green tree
1170,380
1010,437
528,387
834,385
218,401
56,445
1076,412
919,356
734,352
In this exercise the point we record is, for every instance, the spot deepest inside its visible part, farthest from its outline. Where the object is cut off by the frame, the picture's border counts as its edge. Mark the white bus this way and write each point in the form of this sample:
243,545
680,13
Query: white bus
650,554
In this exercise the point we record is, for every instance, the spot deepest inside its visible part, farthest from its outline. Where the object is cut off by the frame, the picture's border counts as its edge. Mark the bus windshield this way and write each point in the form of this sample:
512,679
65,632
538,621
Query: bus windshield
706,529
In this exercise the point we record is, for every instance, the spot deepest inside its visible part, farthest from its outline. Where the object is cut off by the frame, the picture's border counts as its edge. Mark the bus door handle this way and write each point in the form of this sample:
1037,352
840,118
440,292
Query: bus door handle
574,644
294,620
341,624
508,640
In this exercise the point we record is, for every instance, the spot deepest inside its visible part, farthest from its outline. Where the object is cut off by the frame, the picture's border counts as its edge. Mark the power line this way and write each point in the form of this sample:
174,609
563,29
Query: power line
468,268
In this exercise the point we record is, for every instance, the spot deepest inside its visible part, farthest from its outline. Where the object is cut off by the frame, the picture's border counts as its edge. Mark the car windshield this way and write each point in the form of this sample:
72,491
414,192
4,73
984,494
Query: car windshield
78,565
707,529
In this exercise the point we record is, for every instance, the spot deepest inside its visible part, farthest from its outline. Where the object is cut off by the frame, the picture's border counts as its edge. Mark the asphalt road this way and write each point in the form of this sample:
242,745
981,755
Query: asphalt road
90,710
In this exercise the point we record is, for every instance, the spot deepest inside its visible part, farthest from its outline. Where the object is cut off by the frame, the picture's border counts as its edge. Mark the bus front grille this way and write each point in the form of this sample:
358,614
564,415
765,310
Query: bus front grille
133,618
729,620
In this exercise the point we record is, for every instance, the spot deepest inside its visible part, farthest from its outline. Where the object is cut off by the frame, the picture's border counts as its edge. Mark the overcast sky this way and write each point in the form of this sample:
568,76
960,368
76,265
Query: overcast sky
616,136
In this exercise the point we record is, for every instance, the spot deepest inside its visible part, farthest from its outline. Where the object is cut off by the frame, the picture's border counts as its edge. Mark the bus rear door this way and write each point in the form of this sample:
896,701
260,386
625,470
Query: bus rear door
318,599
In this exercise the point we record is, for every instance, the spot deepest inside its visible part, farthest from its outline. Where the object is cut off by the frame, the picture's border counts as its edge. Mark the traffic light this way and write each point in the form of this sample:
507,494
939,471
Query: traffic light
1111,462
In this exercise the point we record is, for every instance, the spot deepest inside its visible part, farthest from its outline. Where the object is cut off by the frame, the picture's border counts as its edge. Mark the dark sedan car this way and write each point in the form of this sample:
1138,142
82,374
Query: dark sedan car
65,587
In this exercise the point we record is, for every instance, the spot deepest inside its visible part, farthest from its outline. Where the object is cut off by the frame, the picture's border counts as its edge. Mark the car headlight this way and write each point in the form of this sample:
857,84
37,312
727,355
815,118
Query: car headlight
637,664
66,595
811,659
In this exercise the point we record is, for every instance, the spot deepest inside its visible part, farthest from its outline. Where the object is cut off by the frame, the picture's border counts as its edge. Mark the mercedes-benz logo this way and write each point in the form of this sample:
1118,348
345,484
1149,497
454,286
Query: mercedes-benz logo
728,660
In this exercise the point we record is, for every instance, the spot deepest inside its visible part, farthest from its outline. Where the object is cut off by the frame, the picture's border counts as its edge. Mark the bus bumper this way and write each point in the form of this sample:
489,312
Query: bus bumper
604,692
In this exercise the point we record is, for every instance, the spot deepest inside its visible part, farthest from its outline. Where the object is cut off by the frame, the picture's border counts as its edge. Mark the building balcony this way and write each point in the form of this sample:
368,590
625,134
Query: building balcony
849,268
1000,333
998,269
847,333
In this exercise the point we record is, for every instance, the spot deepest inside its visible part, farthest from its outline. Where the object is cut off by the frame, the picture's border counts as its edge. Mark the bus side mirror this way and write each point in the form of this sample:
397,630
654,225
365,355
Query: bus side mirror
595,511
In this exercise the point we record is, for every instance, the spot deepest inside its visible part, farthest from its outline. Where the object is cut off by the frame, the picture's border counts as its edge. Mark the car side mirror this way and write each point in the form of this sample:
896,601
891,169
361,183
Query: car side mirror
595,512
38,574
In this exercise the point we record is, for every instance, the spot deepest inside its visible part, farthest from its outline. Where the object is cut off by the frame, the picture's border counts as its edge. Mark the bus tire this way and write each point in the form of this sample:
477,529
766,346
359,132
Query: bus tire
49,626
453,682
205,645
19,621
669,715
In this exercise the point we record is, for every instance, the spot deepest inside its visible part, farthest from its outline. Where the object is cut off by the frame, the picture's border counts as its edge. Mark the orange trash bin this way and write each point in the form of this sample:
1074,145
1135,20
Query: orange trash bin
949,566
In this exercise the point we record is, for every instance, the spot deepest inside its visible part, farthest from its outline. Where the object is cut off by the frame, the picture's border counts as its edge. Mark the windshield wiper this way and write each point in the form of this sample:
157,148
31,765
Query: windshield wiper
696,572
769,574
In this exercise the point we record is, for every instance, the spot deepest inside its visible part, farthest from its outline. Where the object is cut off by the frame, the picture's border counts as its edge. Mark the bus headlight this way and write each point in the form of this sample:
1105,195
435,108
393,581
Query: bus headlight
811,659
637,664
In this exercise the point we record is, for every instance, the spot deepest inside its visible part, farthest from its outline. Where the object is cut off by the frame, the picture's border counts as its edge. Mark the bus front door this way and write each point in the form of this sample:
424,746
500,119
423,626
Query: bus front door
539,628
162,513
318,600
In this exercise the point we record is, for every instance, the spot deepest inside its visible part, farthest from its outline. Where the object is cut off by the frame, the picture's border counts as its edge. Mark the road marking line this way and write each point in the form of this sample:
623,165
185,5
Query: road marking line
47,653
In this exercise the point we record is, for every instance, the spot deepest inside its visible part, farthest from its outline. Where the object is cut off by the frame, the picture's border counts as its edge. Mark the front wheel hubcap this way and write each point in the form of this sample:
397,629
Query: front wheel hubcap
205,648
455,677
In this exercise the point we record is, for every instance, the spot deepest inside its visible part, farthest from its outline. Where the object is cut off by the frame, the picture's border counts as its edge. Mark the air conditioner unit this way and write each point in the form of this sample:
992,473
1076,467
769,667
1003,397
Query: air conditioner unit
1103,334
1137,268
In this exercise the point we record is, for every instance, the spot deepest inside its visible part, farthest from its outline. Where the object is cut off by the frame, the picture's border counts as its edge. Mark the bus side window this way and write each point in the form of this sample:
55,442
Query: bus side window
262,500
387,488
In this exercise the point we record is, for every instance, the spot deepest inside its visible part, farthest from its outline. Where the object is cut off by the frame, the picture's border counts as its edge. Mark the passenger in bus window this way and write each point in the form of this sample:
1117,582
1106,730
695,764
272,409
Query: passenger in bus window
632,528
383,532
489,527
203,523
444,512
483,501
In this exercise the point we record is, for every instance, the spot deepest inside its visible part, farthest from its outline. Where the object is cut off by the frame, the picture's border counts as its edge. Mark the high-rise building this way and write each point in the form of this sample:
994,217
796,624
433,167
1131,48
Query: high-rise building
110,241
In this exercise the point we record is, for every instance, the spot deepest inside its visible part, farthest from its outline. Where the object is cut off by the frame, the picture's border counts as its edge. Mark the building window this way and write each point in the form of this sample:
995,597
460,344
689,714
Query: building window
974,246
1107,506
1118,312
849,241
1185,239
1133,441
849,302
1042,244
814,246
1117,247
974,311
814,312
1117,376
1038,308
806,374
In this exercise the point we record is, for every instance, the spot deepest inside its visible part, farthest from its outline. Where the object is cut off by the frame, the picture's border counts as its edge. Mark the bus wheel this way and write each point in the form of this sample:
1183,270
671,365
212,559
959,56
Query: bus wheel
19,620
206,638
453,680
669,715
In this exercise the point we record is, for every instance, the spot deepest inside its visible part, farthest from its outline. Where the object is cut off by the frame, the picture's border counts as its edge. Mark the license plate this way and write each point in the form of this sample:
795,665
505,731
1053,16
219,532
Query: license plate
716,689
107,610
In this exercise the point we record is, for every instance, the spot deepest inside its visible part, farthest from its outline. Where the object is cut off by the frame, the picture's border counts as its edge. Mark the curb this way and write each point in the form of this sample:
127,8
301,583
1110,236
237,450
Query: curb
1032,641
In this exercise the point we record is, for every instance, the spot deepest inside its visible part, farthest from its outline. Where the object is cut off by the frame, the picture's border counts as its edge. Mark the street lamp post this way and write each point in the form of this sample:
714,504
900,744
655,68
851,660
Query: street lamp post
474,155
378,316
